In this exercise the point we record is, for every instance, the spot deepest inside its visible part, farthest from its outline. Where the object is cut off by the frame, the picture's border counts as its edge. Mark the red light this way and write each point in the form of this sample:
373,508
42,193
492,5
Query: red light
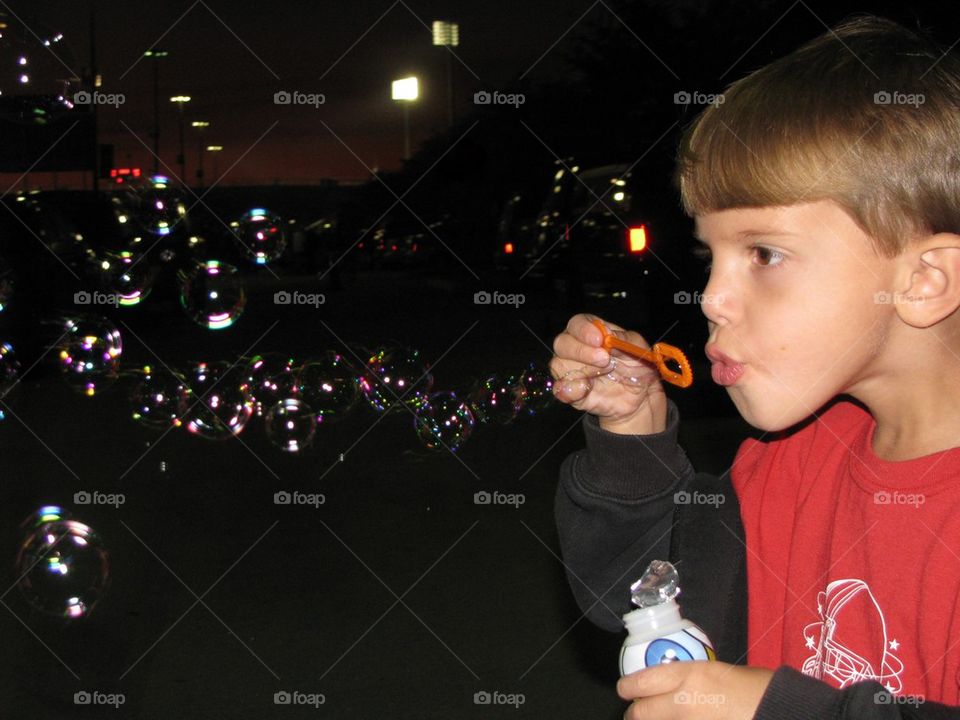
637,237
136,172
508,248
113,172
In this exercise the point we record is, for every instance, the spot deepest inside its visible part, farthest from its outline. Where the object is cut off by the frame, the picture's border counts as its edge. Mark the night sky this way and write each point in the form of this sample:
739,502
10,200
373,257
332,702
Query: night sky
231,57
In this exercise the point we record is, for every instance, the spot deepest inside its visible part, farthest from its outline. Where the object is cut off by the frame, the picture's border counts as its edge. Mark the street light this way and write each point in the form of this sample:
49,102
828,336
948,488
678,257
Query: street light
156,54
447,34
405,91
180,101
200,125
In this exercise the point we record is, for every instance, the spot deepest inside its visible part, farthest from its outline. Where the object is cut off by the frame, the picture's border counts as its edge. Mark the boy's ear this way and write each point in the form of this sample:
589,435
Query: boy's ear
933,267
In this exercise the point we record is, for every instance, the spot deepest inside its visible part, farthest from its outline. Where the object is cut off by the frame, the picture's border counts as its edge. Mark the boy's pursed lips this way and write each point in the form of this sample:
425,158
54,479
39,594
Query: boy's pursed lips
724,369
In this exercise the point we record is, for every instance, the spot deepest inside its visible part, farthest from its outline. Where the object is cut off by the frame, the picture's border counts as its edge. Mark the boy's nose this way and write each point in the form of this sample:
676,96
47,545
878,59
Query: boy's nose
714,302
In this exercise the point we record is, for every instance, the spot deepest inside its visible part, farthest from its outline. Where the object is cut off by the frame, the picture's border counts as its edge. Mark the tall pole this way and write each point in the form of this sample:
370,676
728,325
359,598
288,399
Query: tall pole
449,88
156,116
93,82
406,129
182,157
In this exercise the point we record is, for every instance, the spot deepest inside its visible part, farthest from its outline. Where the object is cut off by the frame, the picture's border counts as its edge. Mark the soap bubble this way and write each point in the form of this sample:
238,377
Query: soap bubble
9,369
497,399
124,275
535,391
219,405
212,294
7,284
444,422
393,376
155,207
62,568
291,425
270,378
159,398
42,516
328,385
89,353
261,233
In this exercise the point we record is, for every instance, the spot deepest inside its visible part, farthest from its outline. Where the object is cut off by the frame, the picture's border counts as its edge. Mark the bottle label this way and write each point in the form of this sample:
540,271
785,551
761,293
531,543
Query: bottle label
688,644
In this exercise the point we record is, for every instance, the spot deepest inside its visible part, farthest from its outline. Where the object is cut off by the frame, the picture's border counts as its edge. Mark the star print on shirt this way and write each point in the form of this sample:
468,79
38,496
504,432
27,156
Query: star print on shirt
894,644
811,643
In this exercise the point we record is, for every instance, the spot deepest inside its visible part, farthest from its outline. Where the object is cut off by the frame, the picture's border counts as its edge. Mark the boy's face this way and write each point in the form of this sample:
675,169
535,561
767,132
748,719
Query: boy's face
796,295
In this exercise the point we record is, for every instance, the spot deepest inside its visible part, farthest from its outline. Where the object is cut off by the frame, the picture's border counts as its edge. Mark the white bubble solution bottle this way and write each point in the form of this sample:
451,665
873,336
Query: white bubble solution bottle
656,632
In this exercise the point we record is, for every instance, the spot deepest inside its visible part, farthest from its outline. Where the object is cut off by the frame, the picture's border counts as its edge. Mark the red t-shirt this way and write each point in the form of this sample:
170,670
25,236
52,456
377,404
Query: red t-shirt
853,562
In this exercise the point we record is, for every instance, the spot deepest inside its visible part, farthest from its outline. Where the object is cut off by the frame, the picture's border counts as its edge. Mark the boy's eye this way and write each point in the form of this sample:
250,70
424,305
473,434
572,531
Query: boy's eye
767,256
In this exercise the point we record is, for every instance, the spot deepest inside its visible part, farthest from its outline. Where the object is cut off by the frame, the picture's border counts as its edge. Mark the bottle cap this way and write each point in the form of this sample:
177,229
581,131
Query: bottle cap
658,585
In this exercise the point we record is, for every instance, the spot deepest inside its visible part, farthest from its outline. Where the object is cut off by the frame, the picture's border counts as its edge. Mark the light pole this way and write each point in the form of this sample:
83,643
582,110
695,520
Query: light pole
180,101
405,91
156,54
200,125
447,34
216,149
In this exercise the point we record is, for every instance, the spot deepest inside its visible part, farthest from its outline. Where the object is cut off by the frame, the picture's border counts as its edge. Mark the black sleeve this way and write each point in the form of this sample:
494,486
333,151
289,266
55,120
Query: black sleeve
630,499
792,695
614,512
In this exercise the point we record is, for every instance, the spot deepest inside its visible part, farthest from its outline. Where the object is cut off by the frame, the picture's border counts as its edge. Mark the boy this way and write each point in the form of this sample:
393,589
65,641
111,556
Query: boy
826,188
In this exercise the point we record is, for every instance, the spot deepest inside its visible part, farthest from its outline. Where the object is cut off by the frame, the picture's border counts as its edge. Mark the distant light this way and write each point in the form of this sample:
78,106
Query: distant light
214,148
180,99
155,53
22,60
200,124
618,196
24,79
508,248
446,33
407,88
638,238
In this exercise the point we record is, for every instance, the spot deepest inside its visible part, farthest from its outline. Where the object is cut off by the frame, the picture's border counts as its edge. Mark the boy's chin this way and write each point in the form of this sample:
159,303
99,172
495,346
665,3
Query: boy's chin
766,415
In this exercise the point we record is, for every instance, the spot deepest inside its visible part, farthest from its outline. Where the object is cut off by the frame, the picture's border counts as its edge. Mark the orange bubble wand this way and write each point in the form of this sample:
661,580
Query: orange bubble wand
658,355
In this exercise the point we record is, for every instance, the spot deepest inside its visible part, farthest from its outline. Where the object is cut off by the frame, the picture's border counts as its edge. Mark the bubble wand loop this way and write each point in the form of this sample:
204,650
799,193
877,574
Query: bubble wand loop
657,355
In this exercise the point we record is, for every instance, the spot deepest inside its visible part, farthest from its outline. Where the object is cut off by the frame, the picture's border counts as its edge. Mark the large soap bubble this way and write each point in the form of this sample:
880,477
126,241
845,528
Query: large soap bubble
62,567
159,398
89,353
444,422
219,404
291,425
396,376
262,235
212,294
328,385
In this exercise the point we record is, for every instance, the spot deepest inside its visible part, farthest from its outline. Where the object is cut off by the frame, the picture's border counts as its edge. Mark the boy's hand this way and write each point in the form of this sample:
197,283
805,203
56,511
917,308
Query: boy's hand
689,690
578,367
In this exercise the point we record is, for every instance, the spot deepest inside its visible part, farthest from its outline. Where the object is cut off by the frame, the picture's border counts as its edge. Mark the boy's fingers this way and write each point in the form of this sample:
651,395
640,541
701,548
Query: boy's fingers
654,680
568,347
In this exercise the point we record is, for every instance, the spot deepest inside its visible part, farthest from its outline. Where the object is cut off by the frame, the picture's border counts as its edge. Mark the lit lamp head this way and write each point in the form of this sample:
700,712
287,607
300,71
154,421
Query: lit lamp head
407,89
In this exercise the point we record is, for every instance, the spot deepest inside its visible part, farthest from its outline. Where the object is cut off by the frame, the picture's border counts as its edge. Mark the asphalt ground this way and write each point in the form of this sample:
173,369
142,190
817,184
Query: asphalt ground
399,595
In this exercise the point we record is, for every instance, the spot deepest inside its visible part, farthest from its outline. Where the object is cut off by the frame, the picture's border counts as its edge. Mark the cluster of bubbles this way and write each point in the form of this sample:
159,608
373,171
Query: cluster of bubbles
62,567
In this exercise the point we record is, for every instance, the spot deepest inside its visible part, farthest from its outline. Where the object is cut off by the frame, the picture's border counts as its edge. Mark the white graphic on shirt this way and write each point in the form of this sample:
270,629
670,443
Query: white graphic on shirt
832,658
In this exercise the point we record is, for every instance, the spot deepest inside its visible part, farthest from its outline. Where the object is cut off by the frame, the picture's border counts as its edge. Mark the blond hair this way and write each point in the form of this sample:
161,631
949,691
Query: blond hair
866,115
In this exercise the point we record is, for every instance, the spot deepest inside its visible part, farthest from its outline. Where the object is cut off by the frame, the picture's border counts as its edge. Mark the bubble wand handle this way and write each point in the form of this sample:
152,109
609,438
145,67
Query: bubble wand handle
657,355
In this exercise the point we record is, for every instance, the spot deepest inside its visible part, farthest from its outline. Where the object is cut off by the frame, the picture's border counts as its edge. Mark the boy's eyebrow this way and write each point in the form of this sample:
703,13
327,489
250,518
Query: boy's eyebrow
747,235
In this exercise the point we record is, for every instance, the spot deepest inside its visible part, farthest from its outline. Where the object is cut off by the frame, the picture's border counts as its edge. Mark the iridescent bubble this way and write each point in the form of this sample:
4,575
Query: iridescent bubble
9,369
328,385
155,207
42,516
89,353
394,376
219,405
261,233
7,283
212,294
291,425
444,422
270,378
63,568
536,389
125,276
496,400
159,398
